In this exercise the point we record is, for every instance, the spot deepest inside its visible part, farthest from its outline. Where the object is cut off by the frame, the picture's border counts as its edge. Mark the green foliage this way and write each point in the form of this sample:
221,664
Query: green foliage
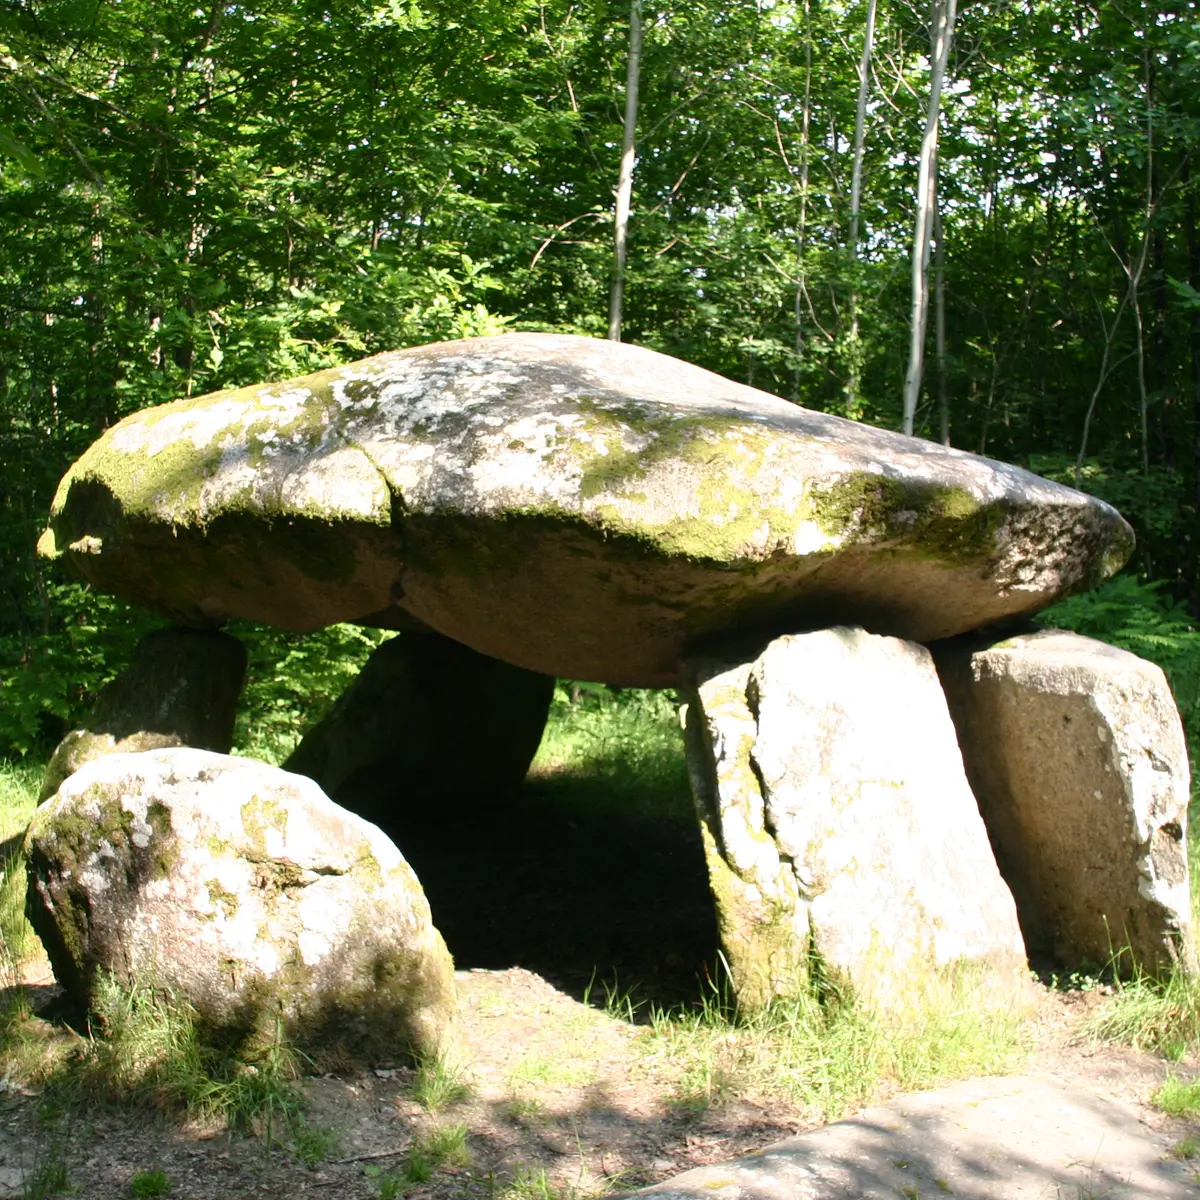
1143,618
48,683
292,680
145,1184
1178,1097
614,750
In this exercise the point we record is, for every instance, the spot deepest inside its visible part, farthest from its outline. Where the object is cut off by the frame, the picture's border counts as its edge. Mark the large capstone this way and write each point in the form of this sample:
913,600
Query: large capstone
843,843
574,506
1076,753
245,891
181,689
428,724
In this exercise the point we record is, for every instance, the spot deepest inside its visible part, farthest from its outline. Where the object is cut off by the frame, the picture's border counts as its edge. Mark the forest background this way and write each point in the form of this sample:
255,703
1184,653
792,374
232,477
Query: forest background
196,196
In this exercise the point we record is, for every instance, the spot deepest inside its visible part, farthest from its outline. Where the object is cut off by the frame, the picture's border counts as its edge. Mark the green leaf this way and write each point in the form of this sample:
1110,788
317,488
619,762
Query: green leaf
16,149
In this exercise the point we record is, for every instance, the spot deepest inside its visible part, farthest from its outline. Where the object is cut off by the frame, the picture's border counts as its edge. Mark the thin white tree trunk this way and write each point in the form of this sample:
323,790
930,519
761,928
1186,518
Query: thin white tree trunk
802,228
941,35
939,325
616,297
854,380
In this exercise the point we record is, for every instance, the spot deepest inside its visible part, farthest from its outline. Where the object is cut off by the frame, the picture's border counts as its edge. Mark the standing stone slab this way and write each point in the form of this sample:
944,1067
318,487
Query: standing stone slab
840,831
247,892
181,689
1076,753
428,723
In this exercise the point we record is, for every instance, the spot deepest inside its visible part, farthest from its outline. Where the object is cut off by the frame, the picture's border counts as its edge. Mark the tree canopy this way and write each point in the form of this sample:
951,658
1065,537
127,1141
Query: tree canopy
195,196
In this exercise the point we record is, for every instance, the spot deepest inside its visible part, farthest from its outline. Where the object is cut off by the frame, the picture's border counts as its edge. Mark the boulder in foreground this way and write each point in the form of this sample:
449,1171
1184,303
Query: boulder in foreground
1076,753
577,507
844,846
245,891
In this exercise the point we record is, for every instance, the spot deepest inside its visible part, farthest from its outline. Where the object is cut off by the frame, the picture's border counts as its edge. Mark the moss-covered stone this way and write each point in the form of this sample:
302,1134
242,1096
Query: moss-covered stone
844,847
575,507
246,892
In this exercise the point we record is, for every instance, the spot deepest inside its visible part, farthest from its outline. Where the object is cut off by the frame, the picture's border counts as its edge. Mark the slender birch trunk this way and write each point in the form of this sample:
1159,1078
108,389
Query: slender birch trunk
942,34
802,227
616,297
939,325
854,379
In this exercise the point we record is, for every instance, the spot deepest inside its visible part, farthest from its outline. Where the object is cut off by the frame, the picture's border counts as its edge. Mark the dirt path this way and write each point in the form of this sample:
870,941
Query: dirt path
563,1098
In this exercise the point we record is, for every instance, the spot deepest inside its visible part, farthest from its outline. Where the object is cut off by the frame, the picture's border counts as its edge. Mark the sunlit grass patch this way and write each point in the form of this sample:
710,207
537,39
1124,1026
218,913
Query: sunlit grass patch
1178,1097
611,751
1159,1015
829,1057
20,782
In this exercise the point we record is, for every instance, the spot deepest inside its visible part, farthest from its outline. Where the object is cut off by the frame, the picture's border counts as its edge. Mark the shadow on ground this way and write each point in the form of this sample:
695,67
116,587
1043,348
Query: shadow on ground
579,898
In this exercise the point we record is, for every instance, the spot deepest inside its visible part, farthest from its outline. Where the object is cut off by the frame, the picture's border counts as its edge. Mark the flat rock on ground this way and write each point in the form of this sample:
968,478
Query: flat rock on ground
1009,1138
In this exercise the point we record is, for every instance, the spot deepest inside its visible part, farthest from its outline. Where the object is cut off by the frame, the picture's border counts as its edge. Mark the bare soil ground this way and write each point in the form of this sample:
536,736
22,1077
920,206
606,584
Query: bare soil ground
540,911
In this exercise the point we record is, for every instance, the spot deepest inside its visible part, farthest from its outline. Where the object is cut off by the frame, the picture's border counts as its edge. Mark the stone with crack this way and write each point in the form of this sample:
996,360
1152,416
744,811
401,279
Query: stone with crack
244,891
576,507
845,850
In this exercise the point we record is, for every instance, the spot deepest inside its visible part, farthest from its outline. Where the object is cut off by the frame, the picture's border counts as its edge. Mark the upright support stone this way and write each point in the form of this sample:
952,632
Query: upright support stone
841,835
427,720
1076,753
181,689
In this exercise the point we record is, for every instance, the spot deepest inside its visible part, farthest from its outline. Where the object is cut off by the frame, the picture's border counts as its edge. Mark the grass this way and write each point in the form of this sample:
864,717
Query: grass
145,1184
432,1150
614,753
20,782
1178,1097
828,1058
438,1083
1162,1016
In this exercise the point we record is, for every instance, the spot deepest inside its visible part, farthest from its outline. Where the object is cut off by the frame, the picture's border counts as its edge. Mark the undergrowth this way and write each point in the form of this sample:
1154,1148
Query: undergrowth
613,752
828,1056
143,1049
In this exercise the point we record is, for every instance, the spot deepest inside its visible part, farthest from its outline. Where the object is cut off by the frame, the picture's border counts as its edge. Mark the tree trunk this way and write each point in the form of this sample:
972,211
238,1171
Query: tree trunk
802,227
941,35
616,297
1193,249
939,326
854,378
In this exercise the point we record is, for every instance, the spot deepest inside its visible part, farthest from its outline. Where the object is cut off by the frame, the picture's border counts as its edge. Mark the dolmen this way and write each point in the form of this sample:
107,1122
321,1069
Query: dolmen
897,779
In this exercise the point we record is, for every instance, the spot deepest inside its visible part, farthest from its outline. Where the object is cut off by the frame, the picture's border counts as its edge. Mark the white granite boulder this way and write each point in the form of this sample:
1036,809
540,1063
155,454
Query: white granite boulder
574,506
842,838
1076,754
245,891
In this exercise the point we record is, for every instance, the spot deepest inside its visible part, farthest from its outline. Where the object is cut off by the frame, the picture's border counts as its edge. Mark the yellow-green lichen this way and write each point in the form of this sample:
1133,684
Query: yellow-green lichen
222,898
260,815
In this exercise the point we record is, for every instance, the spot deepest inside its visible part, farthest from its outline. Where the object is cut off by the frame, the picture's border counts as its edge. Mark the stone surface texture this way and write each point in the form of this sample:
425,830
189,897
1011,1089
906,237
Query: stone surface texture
1076,753
181,689
840,832
1015,1138
575,506
246,891
427,723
